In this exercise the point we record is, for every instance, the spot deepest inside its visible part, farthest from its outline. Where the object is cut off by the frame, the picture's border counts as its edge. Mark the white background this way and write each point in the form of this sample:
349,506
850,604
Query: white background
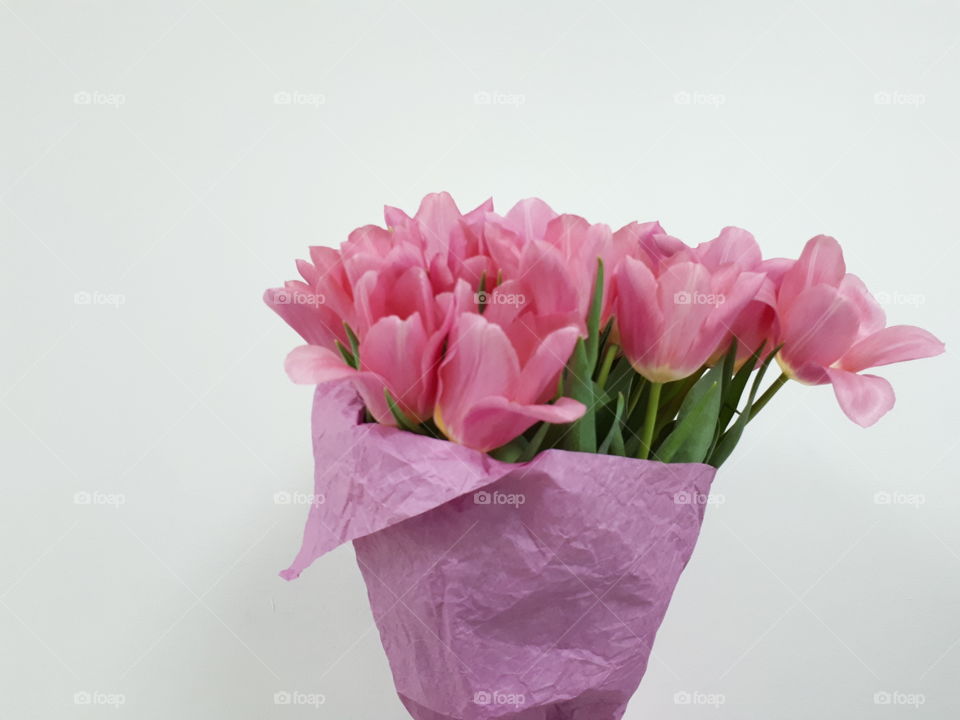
144,156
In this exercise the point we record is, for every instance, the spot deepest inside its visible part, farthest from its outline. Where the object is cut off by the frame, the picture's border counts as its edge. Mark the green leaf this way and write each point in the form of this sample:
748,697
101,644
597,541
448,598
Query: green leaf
354,342
615,436
403,422
533,446
728,441
731,398
511,452
693,435
593,319
582,436
347,356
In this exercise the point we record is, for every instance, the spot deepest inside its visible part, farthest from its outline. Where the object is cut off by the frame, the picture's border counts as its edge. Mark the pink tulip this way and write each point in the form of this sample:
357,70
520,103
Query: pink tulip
317,307
673,321
492,388
832,328
450,242
403,329
756,323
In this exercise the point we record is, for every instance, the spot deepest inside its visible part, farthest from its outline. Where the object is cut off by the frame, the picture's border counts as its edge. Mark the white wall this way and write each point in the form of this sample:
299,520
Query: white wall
183,187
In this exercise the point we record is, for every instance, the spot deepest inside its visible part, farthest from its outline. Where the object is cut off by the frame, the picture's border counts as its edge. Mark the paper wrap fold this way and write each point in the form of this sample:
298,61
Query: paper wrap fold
516,591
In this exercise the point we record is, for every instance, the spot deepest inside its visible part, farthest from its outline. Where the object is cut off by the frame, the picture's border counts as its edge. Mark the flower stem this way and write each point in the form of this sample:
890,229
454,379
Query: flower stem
653,403
769,393
607,364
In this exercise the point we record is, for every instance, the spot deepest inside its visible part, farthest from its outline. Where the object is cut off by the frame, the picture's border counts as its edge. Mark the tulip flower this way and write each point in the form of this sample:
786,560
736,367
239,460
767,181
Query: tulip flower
318,306
671,323
404,330
832,329
492,389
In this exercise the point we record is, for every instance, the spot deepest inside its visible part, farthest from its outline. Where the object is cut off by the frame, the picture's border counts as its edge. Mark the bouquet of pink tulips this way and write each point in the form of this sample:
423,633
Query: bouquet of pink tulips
560,392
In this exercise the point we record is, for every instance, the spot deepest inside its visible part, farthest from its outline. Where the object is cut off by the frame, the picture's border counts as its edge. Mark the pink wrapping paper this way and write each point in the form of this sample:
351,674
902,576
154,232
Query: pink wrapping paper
517,591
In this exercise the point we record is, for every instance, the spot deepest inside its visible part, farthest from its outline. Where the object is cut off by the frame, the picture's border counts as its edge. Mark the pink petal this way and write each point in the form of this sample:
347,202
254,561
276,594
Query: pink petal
480,363
872,317
897,343
863,398
821,262
639,318
393,350
316,324
496,421
733,245
538,379
312,365
529,218
818,328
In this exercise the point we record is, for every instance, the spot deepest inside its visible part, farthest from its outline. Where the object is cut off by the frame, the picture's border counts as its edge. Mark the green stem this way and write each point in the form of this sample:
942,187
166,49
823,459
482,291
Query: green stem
607,364
653,402
769,393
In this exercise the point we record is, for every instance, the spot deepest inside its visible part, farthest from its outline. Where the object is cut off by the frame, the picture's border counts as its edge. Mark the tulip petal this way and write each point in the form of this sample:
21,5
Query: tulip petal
639,317
393,350
733,245
539,376
480,363
312,365
872,316
496,421
863,398
817,329
529,218
821,262
897,343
